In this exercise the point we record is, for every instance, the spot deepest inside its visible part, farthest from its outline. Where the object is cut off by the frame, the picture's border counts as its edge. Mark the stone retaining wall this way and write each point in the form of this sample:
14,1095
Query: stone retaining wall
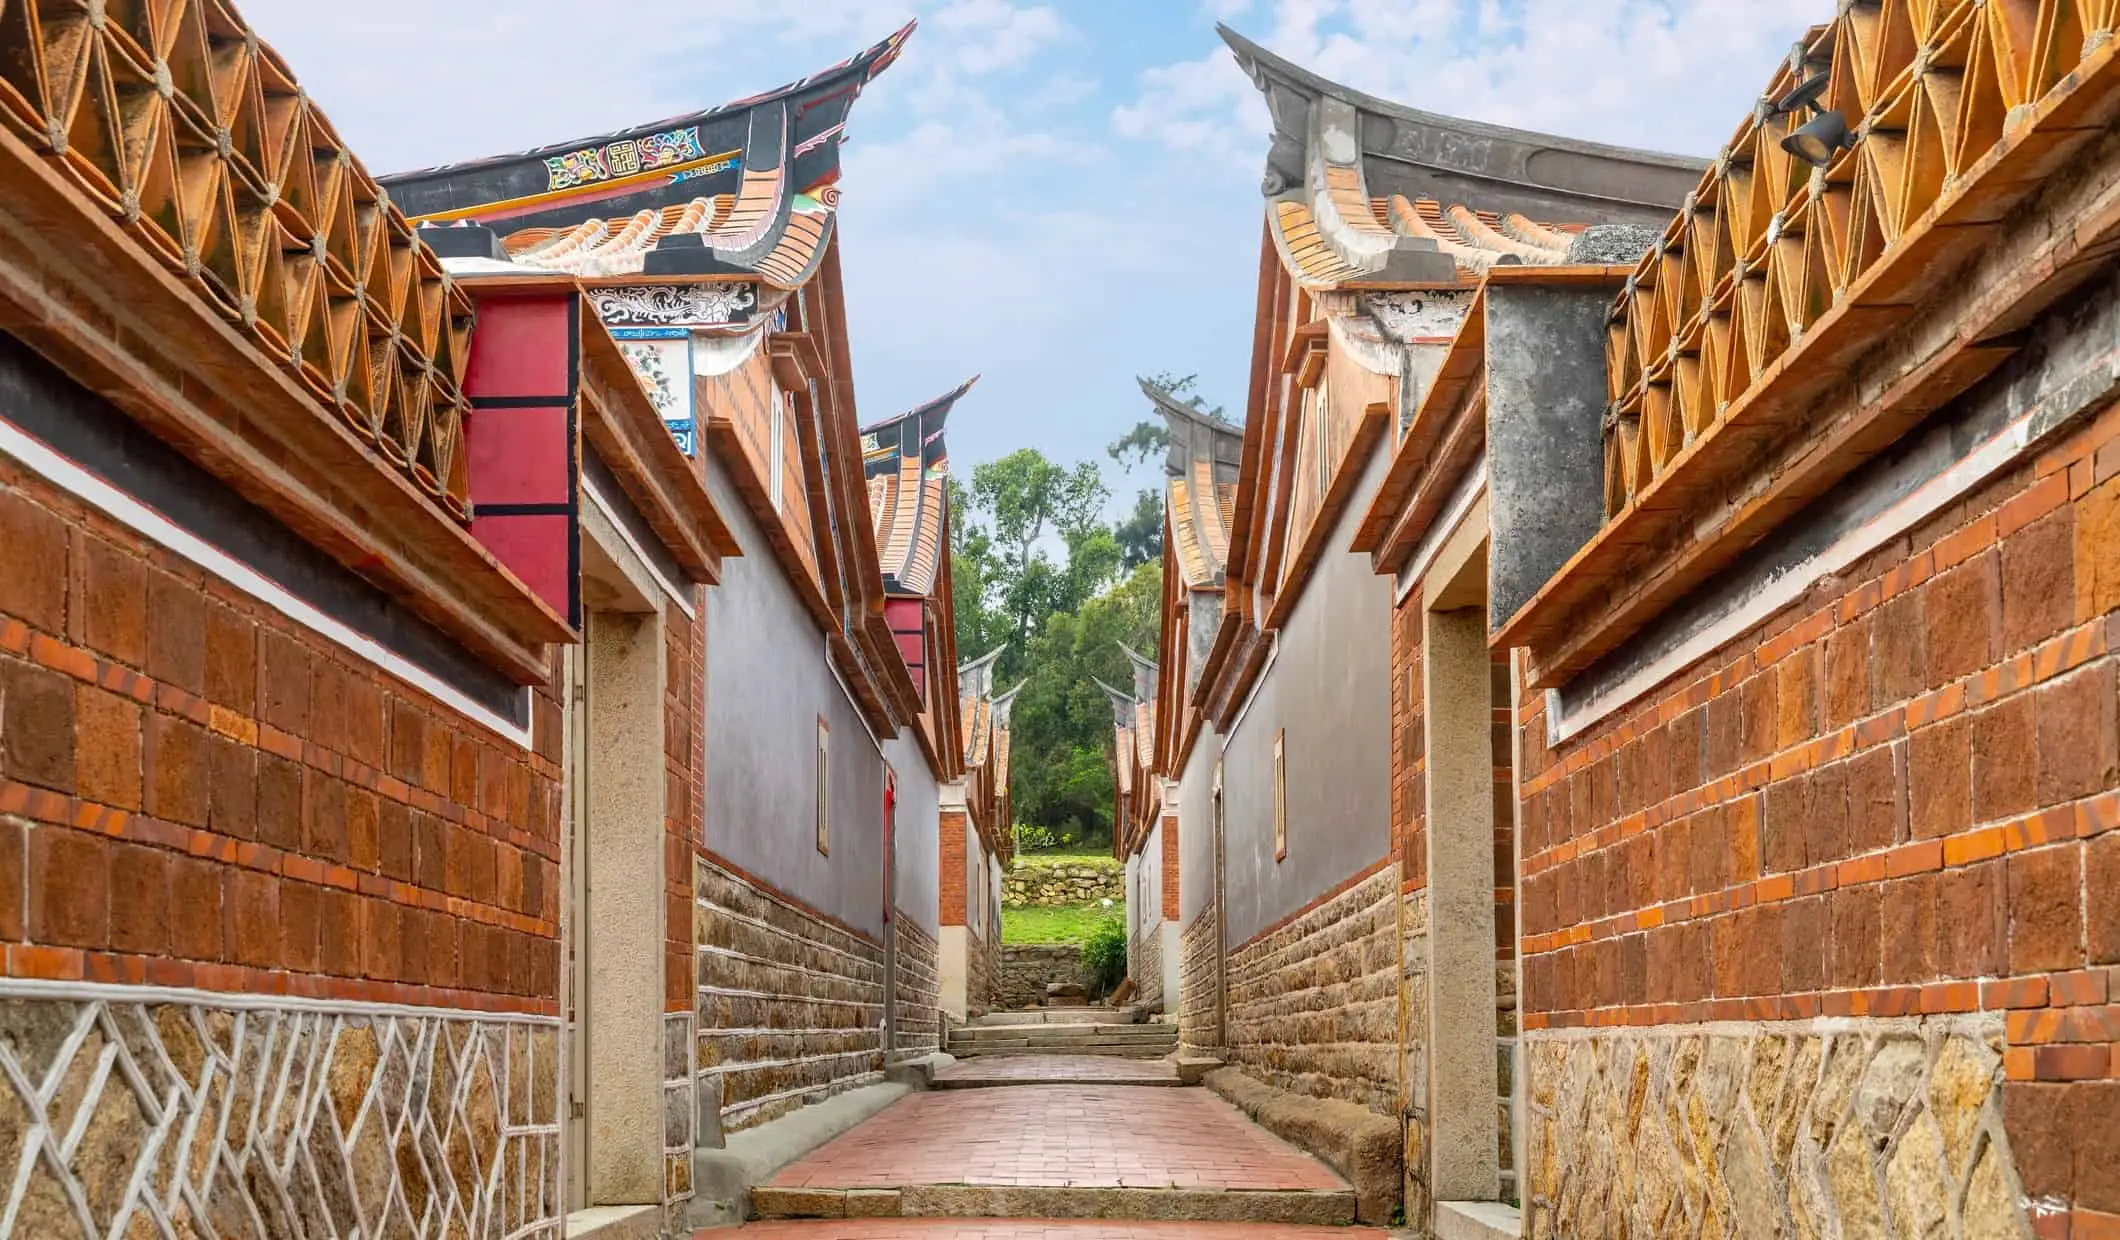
919,990
1313,1004
1198,945
790,1005
1026,971
1056,886
1809,1128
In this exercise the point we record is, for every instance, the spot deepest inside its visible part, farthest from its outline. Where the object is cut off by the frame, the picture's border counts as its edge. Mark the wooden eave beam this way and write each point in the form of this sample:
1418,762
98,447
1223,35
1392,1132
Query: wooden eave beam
1306,349
1931,317
83,294
1265,333
1463,440
1346,477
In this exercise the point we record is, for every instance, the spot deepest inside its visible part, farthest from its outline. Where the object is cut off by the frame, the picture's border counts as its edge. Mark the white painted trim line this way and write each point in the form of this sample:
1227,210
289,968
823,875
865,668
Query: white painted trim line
626,536
130,512
1461,502
1918,505
1273,652
100,992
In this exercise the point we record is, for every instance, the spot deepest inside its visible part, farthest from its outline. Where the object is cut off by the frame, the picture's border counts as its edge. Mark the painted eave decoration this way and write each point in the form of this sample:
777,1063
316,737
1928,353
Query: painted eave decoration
1366,193
744,189
1776,284
906,465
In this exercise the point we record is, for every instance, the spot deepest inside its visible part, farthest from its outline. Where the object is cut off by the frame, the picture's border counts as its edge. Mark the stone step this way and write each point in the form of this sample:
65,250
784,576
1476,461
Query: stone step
1066,1033
1058,1016
1332,1208
1110,1050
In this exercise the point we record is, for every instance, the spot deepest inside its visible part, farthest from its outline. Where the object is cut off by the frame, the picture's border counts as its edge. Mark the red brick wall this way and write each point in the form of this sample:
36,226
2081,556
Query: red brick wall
955,900
1171,908
1895,797
195,791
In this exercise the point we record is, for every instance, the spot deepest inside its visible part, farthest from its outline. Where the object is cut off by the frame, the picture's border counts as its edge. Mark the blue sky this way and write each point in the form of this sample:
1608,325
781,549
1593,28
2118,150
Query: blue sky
1058,196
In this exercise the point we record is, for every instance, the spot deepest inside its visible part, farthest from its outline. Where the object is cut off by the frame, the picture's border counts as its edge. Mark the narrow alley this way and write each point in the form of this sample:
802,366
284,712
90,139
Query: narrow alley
1614,734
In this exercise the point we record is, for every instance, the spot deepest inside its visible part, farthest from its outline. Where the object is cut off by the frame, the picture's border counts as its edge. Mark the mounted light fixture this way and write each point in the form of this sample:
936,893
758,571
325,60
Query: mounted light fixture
1822,137
1819,140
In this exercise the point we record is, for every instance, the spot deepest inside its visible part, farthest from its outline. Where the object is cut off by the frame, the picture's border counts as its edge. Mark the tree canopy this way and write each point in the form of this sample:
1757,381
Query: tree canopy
1038,567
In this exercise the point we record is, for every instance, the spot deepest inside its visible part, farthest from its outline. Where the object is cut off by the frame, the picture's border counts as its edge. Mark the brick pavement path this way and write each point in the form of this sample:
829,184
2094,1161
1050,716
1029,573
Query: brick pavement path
990,1070
1080,1136
1038,1229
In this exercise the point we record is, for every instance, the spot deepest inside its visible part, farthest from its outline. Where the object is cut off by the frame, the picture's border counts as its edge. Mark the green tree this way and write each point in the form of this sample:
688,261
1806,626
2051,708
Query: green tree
1023,501
1140,535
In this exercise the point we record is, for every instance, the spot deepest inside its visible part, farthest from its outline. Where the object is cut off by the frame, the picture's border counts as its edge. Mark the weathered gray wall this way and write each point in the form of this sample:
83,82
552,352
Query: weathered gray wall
916,872
1545,433
768,680
1196,827
1330,689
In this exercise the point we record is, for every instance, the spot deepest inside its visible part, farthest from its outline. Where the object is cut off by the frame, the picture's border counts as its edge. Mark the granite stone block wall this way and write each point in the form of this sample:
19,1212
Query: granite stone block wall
790,1003
1414,1005
983,975
1816,1128
918,990
1199,945
1313,1002
299,1119
1145,966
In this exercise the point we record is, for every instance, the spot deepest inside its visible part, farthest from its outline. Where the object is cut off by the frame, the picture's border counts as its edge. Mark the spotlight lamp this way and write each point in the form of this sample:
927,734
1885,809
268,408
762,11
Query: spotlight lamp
1822,137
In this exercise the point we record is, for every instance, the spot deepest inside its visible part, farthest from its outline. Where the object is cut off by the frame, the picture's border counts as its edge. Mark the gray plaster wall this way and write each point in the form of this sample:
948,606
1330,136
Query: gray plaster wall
768,682
1329,688
917,868
1196,827
1545,433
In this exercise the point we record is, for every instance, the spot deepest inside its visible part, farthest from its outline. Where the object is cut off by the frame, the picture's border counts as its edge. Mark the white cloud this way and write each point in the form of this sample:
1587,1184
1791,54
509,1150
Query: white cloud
994,34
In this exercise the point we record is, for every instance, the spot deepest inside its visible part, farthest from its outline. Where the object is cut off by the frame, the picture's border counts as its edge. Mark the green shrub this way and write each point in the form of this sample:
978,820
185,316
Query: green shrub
1104,954
1035,839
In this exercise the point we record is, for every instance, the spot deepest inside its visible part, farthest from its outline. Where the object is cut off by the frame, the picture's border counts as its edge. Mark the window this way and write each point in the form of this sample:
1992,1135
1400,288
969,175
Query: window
1321,423
779,439
824,786
1280,796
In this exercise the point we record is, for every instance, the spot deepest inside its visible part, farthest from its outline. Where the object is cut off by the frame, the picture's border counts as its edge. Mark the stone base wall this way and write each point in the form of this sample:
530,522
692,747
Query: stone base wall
1835,1127
919,990
291,1119
1027,970
1413,1050
1145,966
680,1119
1198,946
982,973
1313,1003
790,1005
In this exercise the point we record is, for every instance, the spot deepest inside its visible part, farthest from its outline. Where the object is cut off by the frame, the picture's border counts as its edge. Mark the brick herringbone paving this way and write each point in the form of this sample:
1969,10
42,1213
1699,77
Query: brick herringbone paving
1040,1229
1062,1136
989,1070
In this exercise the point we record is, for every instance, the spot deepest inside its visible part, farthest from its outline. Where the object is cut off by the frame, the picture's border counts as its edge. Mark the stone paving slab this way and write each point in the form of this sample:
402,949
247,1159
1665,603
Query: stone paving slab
1039,1229
1062,1136
989,1071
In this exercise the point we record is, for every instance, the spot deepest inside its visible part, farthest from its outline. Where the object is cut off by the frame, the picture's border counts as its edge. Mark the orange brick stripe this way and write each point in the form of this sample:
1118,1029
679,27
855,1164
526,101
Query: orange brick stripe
52,809
85,667
66,964
2050,660
2080,820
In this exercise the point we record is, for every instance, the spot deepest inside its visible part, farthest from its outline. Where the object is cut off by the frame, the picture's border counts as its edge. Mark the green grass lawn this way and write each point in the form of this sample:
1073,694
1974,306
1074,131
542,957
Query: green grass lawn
1057,856
1067,924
